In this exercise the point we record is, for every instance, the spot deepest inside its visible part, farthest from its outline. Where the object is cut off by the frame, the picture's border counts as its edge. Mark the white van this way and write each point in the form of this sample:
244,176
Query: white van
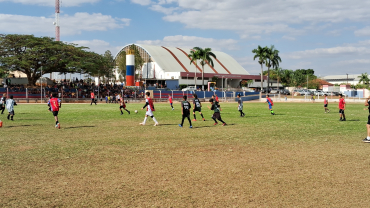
190,88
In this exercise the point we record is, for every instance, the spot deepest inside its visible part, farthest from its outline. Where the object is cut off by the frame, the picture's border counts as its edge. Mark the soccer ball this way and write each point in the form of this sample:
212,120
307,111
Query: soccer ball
135,111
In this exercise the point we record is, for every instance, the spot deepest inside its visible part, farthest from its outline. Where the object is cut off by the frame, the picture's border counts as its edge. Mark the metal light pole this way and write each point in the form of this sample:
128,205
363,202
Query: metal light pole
187,82
223,86
41,84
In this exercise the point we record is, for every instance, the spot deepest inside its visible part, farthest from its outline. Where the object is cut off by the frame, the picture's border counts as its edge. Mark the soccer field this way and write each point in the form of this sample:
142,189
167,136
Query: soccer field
301,157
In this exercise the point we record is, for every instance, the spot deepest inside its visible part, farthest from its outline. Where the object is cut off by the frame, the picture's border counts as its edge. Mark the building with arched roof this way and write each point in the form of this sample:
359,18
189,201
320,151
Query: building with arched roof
171,66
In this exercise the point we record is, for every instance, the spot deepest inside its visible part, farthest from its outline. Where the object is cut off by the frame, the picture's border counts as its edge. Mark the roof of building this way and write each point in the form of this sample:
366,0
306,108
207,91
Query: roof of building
173,59
351,77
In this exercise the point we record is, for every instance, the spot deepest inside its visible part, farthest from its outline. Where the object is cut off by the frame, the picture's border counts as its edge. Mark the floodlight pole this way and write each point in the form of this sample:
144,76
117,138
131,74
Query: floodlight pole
41,84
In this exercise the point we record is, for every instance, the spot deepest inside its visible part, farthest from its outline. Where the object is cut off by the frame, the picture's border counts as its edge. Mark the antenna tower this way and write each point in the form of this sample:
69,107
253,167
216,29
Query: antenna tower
57,27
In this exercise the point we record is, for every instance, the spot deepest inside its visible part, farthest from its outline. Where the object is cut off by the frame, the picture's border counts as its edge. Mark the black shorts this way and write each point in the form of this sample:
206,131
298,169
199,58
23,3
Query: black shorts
122,106
341,111
325,105
186,114
217,116
197,109
368,120
11,113
55,113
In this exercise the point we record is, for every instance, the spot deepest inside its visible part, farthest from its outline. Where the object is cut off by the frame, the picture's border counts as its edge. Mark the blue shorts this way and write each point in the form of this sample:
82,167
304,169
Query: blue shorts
270,106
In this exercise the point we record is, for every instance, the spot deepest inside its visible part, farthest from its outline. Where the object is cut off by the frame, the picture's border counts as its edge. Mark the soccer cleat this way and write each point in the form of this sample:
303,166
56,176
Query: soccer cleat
129,112
173,109
156,124
223,124
191,127
194,120
121,113
215,124
180,125
58,125
344,119
366,140
328,111
142,124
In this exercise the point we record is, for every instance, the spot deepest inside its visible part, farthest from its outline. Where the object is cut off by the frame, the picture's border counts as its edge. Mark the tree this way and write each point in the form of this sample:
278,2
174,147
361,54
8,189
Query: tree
278,71
121,63
364,78
35,56
273,60
205,55
261,54
194,57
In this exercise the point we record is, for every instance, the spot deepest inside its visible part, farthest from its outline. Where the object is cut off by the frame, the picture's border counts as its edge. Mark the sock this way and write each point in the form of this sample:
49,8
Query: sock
195,117
121,112
272,111
127,110
8,116
344,116
221,120
202,115
241,113
189,120
146,118
11,118
214,120
155,120
182,121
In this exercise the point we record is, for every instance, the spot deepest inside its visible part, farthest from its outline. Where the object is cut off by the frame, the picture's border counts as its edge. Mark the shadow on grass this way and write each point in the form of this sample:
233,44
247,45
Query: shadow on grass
78,127
354,120
16,126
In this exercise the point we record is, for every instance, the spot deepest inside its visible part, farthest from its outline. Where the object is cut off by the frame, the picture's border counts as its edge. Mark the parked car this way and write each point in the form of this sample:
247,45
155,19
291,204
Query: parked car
319,93
285,92
274,91
189,88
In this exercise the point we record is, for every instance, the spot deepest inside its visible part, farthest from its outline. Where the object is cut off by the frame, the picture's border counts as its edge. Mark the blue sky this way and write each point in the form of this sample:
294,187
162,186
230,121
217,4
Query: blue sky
331,37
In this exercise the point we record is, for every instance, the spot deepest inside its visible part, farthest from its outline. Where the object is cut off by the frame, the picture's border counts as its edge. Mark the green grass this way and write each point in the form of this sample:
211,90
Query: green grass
300,157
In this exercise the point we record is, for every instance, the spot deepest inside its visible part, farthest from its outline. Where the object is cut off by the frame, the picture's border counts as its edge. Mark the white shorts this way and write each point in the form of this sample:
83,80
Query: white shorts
149,113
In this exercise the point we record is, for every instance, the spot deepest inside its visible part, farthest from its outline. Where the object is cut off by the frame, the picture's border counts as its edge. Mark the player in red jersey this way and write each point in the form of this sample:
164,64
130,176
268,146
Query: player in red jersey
55,104
122,104
170,100
149,109
92,95
342,107
271,103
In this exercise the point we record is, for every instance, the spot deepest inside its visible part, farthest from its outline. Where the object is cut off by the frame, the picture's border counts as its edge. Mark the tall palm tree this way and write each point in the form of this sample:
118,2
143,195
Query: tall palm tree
364,78
205,55
194,56
273,60
261,54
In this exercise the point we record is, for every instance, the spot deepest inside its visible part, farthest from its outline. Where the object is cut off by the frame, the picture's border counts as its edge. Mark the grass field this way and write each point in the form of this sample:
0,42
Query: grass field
300,157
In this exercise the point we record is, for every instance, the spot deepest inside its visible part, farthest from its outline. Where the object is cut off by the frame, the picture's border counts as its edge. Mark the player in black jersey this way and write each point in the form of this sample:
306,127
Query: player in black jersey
216,114
367,103
197,107
185,110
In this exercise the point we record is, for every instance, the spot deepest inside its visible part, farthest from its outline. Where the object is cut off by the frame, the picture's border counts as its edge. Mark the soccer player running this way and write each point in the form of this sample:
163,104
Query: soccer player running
2,103
150,108
92,95
170,100
185,111
240,106
342,107
55,105
122,104
10,103
216,112
367,103
216,101
326,102
269,101
197,107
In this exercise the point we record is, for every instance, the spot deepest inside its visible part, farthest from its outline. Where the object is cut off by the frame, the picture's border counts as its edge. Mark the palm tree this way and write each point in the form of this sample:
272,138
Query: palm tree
205,57
261,54
364,78
273,60
194,56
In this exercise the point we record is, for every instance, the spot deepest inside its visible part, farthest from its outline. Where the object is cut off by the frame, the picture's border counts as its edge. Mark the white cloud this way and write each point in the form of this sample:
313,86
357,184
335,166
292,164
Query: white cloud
254,17
192,41
142,2
325,52
356,61
288,37
363,32
98,46
66,3
70,25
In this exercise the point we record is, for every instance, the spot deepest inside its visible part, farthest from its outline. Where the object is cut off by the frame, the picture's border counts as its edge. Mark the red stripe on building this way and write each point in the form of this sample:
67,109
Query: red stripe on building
210,66
190,59
223,66
178,61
